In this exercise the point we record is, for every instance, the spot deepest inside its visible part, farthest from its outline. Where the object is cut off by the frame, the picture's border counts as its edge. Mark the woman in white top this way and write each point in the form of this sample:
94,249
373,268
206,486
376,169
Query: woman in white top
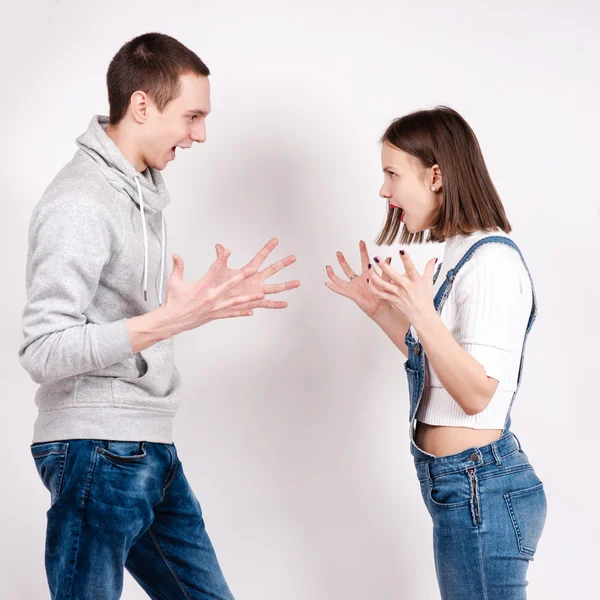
463,330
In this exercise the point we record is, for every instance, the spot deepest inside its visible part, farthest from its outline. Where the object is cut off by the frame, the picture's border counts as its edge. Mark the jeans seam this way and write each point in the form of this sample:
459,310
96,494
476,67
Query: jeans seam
168,484
162,555
506,472
86,490
71,575
172,474
481,569
63,465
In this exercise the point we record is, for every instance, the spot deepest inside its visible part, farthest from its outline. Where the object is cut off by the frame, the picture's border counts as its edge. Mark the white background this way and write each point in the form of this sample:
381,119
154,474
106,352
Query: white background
293,427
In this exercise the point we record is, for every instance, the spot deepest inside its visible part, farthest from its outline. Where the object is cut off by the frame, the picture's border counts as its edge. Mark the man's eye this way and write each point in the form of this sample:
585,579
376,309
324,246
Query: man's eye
192,117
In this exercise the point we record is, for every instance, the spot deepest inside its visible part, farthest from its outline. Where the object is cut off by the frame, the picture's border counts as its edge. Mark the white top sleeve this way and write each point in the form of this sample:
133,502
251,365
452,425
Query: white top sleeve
489,289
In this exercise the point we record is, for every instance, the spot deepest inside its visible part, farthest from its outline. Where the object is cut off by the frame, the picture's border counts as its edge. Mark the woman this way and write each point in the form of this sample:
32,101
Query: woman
463,331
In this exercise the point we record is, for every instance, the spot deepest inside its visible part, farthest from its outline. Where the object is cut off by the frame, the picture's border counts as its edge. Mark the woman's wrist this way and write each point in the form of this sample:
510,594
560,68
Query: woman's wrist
386,314
425,320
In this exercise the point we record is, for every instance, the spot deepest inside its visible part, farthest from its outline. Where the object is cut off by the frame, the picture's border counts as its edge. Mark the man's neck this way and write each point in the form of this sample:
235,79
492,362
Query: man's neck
117,134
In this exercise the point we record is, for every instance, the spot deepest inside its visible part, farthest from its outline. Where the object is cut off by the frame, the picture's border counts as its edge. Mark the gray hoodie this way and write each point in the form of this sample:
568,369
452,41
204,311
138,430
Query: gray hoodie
97,248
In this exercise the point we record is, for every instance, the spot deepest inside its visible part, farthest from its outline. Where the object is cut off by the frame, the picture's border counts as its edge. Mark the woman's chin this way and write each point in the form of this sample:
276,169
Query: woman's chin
413,230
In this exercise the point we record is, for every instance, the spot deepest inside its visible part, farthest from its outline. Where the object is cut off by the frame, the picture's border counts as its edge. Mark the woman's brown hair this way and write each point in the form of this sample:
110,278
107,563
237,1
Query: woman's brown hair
470,200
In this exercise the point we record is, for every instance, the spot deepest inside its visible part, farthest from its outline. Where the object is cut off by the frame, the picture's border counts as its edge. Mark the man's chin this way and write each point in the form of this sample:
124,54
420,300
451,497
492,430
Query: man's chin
159,166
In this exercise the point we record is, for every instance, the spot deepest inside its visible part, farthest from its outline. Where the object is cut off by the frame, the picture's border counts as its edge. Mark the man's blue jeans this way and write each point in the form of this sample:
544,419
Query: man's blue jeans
117,505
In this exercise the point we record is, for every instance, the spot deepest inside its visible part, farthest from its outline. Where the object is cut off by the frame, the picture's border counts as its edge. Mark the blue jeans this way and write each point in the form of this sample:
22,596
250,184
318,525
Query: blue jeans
117,505
488,509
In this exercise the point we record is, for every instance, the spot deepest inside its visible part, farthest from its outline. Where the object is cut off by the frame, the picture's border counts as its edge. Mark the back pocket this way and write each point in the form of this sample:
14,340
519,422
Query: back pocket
50,460
527,509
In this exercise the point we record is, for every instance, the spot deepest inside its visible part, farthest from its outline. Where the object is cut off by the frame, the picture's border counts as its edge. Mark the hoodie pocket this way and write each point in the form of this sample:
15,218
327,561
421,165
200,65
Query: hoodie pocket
137,368
96,388
155,389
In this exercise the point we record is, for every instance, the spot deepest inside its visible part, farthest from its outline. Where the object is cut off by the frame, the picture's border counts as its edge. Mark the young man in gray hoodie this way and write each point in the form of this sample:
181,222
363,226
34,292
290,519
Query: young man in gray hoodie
99,323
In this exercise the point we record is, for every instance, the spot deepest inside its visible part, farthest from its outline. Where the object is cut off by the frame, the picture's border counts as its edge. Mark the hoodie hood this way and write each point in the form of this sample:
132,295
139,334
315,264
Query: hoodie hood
146,189
119,171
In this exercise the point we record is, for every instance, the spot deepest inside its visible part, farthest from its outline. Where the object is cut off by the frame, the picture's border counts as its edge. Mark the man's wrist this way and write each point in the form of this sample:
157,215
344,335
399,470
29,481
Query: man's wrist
150,328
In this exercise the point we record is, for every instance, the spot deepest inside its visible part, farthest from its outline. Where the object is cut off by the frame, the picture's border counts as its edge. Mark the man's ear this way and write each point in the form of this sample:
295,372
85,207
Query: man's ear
139,106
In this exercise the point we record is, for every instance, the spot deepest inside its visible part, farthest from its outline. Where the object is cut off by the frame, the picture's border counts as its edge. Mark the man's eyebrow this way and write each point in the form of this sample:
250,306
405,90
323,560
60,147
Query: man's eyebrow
198,111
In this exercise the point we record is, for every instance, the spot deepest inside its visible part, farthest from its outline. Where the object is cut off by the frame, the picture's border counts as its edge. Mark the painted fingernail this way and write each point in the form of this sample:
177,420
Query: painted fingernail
369,265
436,260
389,260
367,280
376,260
402,252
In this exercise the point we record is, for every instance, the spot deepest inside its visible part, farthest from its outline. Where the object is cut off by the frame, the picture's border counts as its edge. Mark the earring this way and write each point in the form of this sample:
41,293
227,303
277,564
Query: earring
433,188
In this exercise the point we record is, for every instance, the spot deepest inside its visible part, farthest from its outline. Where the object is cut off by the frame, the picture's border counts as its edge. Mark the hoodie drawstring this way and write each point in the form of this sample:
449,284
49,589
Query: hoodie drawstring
162,245
163,252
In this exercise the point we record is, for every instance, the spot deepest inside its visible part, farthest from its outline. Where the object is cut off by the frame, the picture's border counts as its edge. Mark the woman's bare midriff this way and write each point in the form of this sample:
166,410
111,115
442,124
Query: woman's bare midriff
444,441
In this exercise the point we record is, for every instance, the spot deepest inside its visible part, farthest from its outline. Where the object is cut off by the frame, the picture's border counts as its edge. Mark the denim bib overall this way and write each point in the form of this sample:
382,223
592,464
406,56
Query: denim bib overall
487,505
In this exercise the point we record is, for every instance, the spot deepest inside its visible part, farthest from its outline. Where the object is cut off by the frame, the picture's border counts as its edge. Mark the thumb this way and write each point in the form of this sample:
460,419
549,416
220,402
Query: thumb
177,267
222,252
430,269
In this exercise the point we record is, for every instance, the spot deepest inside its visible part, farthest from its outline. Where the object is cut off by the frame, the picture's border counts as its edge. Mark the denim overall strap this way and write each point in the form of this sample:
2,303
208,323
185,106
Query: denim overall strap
415,365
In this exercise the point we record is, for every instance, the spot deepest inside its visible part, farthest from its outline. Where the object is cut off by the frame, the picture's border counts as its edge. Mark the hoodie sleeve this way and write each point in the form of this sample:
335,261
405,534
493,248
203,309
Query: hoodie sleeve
70,242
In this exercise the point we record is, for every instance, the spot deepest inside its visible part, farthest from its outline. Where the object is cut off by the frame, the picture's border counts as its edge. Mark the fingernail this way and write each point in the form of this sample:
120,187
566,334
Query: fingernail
436,260
369,265
367,280
402,252
376,260
389,260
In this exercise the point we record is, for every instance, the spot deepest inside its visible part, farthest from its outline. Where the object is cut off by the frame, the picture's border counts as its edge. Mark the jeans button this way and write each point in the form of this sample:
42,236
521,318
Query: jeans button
474,457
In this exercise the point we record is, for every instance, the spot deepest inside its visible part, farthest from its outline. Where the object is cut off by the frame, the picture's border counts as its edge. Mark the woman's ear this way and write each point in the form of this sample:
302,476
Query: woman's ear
435,178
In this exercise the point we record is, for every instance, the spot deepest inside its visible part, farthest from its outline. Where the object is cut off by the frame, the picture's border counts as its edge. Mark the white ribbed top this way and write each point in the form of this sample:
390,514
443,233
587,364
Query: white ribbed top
487,312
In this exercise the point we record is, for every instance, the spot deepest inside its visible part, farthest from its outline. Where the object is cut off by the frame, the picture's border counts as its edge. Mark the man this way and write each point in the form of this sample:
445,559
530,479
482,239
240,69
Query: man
99,325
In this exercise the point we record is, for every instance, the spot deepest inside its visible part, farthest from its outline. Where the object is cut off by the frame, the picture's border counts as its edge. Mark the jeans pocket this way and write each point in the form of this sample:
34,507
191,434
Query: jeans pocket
527,509
122,452
450,491
50,461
